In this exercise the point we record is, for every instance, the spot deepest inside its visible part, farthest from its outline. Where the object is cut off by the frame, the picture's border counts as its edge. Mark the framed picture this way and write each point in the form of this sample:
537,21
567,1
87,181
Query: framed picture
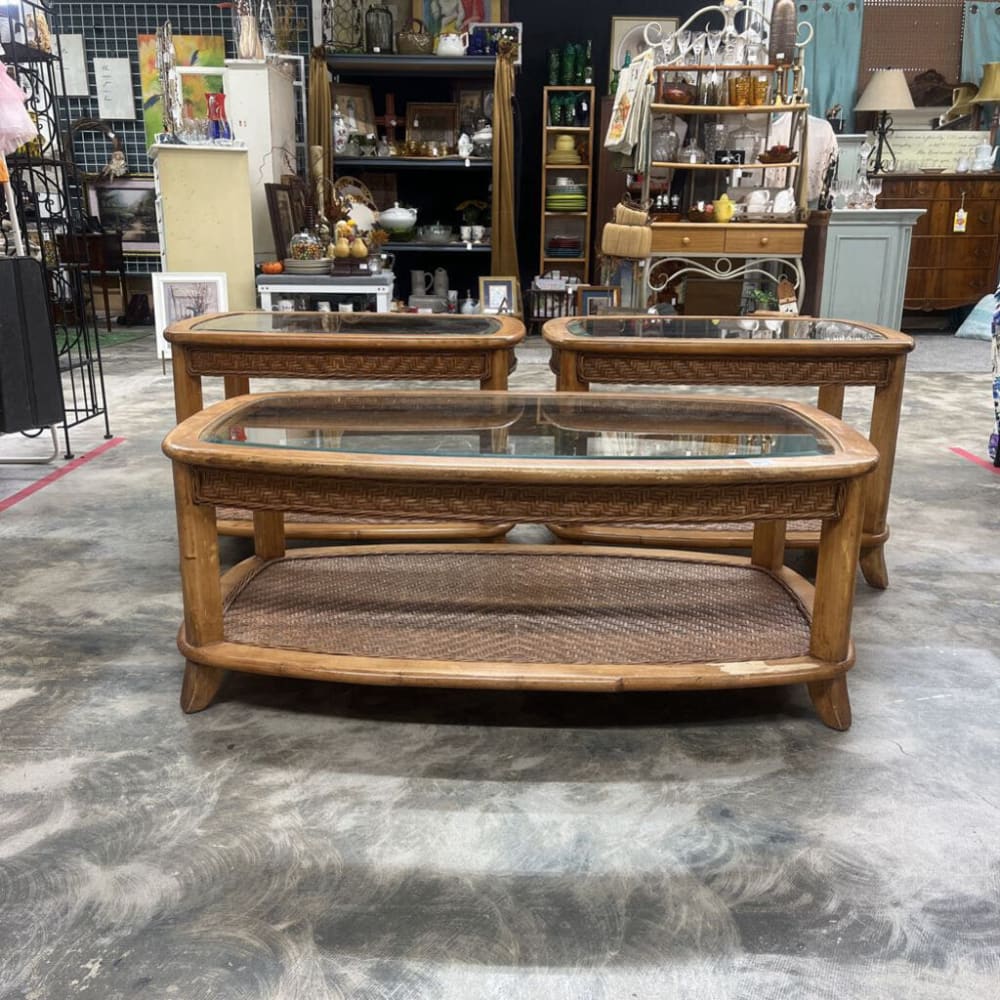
457,15
473,105
189,50
499,295
356,107
590,298
628,37
182,295
432,123
281,209
495,30
128,206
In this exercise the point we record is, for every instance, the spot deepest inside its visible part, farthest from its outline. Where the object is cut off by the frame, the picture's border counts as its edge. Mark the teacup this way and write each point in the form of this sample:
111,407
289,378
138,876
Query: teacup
784,202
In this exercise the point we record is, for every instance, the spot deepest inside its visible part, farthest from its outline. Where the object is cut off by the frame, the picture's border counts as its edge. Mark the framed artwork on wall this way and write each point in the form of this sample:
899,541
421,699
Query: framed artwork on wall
590,299
628,37
189,50
356,107
181,295
499,295
127,205
282,212
457,15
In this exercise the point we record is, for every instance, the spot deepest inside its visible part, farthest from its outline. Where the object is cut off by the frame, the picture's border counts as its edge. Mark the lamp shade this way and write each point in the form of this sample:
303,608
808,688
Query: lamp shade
989,89
887,90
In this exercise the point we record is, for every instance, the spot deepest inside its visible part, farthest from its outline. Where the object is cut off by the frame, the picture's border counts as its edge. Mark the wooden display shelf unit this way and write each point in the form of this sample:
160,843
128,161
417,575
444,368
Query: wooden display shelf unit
577,224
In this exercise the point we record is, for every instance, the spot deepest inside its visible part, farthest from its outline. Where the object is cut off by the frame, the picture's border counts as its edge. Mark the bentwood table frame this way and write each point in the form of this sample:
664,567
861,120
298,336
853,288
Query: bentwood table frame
212,470
832,365
328,349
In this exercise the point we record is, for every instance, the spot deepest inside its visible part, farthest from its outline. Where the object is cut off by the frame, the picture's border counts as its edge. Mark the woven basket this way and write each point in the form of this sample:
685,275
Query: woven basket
626,216
414,40
626,241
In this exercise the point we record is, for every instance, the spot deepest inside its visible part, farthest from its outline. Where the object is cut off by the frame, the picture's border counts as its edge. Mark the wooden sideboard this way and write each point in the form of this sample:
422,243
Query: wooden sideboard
948,269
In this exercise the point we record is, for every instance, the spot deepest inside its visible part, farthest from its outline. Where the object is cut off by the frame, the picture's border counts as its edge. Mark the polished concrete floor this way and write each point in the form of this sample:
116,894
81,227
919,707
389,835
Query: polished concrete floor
300,841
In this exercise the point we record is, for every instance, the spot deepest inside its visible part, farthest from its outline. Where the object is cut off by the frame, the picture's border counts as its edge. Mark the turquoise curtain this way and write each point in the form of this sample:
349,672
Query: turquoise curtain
980,39
833,56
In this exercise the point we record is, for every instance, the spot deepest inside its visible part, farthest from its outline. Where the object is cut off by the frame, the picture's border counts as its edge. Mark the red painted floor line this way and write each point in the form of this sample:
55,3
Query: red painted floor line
14,498
975,458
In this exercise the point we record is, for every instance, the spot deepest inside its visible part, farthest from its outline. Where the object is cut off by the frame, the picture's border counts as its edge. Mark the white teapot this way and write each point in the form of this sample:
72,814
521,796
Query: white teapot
450,43
983,157
784,202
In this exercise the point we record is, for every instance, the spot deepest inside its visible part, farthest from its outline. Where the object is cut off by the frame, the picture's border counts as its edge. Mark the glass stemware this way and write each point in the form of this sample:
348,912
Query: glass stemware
713,39
875,187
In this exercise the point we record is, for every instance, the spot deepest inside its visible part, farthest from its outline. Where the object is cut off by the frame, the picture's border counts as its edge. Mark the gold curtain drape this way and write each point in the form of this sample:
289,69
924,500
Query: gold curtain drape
504,260
320,108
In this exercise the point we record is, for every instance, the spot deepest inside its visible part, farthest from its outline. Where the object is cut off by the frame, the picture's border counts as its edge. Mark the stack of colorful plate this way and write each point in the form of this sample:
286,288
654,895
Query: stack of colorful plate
564,158
321,266
556,200
564,246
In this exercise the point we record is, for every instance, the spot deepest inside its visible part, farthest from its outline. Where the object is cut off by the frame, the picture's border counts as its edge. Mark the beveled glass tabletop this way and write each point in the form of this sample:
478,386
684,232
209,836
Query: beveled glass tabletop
723,328
536,425
379,324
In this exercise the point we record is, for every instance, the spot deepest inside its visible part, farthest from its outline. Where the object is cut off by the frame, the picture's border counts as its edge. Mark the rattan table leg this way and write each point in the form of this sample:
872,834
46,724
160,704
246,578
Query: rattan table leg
830,637
236,385
199,549
187,387
768,549
268,534
831,400
886,408
497,378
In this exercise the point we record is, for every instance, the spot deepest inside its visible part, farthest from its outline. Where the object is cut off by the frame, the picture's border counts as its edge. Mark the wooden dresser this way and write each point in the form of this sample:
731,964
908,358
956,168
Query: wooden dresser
948,269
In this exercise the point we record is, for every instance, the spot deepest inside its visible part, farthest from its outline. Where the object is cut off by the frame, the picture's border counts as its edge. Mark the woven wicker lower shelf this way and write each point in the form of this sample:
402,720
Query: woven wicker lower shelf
553,617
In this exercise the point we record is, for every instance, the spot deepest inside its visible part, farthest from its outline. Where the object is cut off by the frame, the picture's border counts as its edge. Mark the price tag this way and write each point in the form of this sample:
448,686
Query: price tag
958,226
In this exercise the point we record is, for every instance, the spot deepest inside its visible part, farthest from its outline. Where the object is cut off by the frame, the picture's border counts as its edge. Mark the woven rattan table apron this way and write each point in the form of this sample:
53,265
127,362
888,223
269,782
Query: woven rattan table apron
238,346
742,351
519,616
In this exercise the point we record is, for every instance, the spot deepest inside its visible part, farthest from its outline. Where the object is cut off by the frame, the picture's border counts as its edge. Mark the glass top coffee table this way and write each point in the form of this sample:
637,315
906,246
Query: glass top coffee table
238,346
742,351
519,616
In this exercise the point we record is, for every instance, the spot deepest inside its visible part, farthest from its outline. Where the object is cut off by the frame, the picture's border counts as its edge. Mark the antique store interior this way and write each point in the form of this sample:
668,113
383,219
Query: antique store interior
699,304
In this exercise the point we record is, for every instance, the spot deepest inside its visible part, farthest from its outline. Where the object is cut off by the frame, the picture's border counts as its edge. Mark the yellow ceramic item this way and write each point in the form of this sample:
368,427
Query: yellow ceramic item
724,208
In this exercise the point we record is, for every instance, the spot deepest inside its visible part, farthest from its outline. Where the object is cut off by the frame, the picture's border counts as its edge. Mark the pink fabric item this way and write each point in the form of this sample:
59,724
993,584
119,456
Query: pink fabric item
16,127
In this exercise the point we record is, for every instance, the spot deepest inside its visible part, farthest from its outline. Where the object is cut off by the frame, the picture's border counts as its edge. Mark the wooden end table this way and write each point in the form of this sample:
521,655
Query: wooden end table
238,346
682,350
552,617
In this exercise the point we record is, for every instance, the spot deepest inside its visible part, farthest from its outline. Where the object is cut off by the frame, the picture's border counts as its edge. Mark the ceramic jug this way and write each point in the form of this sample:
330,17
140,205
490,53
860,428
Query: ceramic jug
724,208
421,282
784,202
450,43
441,283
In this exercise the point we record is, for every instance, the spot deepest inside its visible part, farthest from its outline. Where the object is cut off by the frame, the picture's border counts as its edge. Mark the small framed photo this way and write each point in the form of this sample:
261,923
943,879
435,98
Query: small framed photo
591,299
734,156
628,37
356,107
489,33
499,295
282,211
128,206
181,295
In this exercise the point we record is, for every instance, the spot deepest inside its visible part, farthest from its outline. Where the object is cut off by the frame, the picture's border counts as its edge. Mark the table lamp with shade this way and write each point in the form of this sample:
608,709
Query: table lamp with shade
887,90
989,93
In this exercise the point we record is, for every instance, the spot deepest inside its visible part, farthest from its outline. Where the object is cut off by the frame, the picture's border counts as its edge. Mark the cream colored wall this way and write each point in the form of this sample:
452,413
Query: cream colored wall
206,215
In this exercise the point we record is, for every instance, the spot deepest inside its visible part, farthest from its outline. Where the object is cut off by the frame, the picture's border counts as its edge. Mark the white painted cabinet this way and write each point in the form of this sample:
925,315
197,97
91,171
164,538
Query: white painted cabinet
864,271
260,105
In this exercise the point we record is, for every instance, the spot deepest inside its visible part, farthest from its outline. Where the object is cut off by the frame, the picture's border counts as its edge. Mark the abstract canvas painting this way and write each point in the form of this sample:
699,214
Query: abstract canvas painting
190,50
